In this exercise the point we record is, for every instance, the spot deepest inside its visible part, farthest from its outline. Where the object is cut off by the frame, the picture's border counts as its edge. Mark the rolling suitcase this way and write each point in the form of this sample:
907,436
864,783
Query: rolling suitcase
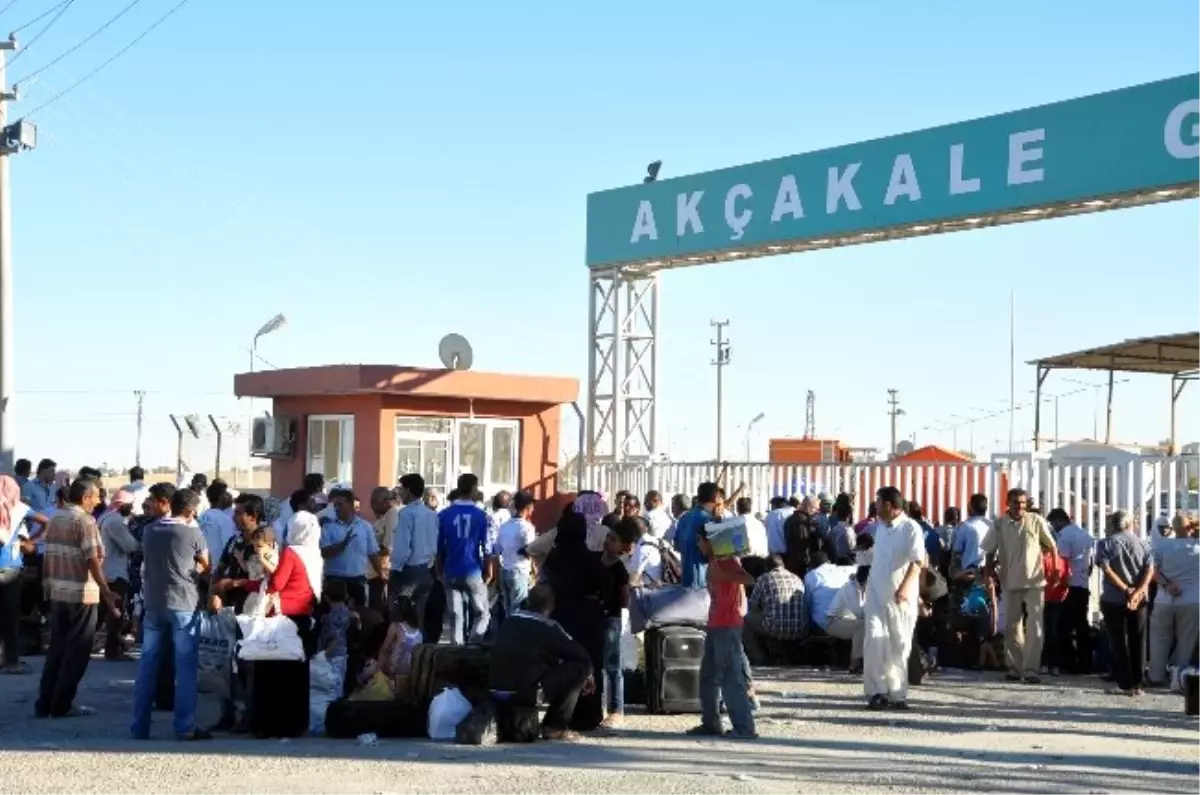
673,656
277,697
436,667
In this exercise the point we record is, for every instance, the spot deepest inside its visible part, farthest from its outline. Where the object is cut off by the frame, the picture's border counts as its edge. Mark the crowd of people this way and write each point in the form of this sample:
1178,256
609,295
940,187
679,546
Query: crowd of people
146,562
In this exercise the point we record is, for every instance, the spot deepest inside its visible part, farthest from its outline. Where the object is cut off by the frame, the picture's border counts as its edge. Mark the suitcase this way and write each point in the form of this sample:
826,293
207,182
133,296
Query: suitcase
436,667
277,697
673,656
346,719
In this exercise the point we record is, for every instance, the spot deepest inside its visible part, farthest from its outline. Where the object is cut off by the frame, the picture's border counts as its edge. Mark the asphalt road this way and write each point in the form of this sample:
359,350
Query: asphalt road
966,733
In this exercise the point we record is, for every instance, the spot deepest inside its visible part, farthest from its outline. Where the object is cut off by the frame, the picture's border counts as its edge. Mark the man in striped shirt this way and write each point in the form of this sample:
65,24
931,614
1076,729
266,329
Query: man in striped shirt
76,588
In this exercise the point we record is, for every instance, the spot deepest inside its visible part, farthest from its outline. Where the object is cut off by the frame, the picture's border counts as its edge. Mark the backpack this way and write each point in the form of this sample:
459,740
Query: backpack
672,565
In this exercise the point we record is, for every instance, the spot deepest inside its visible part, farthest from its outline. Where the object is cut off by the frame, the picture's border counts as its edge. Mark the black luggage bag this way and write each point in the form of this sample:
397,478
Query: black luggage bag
673,656
345,719
277,697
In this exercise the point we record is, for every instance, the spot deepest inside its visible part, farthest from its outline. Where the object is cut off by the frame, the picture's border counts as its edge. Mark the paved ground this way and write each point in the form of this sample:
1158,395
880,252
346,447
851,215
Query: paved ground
967,733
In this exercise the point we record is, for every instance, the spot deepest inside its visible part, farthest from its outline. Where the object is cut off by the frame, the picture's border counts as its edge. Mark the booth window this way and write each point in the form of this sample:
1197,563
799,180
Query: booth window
331,446
441,449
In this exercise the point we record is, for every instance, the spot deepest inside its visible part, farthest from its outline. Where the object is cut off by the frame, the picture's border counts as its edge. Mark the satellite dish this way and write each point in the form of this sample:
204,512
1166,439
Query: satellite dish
455,352
904,448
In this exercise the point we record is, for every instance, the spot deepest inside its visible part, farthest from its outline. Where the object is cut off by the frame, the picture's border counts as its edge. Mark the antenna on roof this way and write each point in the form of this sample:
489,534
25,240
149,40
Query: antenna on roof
455,352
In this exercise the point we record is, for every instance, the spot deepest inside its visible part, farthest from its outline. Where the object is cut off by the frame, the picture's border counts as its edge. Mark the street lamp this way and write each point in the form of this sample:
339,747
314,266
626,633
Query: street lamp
749,426
272,325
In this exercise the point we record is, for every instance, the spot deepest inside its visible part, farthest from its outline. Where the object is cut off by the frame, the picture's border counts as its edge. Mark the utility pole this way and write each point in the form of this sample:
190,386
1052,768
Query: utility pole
7,406
894,411
141,399
722,359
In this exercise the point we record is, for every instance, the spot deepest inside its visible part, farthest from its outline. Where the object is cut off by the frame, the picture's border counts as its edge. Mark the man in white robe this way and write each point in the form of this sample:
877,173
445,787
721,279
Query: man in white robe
890,609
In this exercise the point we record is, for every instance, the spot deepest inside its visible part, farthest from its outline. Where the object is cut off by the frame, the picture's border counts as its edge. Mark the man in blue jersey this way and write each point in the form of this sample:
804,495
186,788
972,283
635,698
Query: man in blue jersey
461,556
687,534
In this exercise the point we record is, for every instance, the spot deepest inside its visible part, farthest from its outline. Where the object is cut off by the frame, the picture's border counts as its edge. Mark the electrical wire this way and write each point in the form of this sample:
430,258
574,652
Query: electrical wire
9,5
41,16
78,44
104,64
62,9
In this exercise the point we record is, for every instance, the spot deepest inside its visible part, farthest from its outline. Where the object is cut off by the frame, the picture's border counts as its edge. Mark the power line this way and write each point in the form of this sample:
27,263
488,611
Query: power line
62,9
78,44
9,5
104,64
39,17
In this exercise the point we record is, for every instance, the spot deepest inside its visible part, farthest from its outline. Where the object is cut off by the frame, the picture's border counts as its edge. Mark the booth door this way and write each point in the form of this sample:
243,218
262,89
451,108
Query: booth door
423,445
488,449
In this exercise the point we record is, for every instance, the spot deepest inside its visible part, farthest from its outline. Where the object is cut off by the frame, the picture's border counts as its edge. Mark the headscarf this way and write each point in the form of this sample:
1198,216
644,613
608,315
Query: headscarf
121,498
304,538
10,495
591,506
574,572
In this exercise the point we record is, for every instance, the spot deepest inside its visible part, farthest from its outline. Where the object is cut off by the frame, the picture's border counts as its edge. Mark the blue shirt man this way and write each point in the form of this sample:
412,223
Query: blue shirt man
687,534
462,539
462,548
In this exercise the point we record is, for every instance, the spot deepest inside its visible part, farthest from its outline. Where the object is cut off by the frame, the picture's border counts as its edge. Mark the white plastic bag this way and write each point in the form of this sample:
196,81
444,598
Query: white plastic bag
325,679
446,711
273,638
218,636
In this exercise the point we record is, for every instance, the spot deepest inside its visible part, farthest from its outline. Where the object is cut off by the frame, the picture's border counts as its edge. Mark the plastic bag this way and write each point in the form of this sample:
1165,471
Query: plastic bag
324,687
446,711
273,638
218,636
378,688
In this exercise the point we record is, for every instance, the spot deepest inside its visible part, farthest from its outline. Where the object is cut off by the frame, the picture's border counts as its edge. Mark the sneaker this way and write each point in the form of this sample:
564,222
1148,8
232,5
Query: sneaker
878,702
613,721
194,735
1116,691
79,712
899,705
1012,676
1056,671
733,734
1032,679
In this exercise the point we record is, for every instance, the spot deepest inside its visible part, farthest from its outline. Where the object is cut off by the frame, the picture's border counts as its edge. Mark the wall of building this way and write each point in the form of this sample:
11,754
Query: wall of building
375,436
287,474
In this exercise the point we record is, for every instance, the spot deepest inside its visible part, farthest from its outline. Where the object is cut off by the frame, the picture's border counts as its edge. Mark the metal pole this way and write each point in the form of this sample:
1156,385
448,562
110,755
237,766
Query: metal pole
137,453
1056,436
7,404
178,446
217,463
1108,420
720,362
1012,370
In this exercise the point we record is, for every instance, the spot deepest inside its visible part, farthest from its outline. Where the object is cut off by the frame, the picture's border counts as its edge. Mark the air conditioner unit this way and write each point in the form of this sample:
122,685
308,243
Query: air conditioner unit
273,437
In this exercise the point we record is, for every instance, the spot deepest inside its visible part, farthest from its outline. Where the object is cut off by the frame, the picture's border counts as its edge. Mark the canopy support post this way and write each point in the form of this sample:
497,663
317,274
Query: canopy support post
1177,385
1108,418
1042,372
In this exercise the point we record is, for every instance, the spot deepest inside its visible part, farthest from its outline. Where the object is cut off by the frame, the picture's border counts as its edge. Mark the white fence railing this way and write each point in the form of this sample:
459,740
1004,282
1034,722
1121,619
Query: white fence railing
1147,486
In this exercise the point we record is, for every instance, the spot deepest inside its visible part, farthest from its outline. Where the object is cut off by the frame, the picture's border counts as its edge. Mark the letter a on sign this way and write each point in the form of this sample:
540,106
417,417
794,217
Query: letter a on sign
643,225
903,181
787,200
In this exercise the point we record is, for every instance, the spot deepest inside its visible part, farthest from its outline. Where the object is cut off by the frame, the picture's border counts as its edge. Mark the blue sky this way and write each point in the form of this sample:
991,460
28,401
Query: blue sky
386,173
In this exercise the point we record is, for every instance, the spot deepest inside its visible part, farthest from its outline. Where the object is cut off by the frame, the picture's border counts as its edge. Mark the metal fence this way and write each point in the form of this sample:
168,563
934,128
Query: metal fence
1152,486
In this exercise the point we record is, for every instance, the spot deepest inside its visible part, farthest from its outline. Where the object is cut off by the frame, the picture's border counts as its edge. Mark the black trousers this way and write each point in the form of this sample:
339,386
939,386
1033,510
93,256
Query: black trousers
72,630
10,616
1127,640
115,626
1054,635
1077,631
562,686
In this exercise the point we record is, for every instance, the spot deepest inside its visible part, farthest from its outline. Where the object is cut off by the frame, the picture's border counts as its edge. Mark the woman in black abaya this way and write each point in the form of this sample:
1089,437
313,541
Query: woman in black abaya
578,579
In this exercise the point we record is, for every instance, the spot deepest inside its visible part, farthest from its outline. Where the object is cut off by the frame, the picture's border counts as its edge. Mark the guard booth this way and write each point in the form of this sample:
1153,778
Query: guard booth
366,425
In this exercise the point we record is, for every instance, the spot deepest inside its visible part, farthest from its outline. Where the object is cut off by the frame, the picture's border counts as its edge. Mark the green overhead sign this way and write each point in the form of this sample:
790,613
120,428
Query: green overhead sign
1132,140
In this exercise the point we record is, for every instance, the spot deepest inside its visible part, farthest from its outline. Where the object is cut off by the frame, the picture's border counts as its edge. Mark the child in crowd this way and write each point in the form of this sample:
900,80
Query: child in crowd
1058,581
383,677
617,544
723,672
260,565
335,624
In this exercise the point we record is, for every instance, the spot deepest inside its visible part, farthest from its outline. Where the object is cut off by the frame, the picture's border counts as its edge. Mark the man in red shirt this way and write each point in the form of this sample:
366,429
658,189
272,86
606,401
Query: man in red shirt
1058,581
723,670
